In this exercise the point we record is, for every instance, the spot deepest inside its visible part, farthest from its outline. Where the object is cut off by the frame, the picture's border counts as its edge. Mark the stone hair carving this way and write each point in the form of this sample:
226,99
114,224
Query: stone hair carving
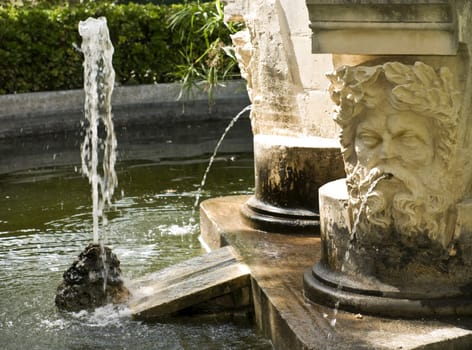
399,137
416,87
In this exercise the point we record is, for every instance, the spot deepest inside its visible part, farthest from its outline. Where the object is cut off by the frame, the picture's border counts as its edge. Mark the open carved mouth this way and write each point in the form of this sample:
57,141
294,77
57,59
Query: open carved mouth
377,176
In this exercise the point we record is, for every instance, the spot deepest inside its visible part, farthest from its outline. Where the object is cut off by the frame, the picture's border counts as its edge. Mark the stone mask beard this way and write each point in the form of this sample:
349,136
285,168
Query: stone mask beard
401,202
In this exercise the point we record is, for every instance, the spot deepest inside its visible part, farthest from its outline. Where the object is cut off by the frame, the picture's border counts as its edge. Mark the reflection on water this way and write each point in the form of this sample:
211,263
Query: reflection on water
45,222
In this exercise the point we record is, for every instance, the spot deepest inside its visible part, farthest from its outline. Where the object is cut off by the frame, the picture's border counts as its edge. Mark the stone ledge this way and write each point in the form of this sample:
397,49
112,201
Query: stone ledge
277,263
59,111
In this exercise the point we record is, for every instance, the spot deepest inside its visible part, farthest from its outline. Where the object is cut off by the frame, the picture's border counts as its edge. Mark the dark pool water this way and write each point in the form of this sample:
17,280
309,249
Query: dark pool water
45,221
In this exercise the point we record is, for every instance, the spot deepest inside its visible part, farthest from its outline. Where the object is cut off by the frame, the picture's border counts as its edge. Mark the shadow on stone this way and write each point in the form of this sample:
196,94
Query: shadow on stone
93,280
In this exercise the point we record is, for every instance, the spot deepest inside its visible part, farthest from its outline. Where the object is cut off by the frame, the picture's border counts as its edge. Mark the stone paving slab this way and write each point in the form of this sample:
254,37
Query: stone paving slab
187,284
277,263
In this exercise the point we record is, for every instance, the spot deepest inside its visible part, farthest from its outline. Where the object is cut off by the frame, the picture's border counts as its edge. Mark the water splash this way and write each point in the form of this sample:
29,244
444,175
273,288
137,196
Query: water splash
352,235
212,158
99,78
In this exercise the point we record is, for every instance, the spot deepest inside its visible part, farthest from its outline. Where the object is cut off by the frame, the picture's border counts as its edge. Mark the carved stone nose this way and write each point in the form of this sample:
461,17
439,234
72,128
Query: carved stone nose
387,149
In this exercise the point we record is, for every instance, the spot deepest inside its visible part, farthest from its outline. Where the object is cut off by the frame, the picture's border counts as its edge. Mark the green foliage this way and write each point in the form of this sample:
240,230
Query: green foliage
38,44
198,25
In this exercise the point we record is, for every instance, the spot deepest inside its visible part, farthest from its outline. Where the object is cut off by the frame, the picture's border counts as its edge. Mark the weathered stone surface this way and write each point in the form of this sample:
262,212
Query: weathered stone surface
291,169
381,27
277,263
273,54
93,280
191,283
288,173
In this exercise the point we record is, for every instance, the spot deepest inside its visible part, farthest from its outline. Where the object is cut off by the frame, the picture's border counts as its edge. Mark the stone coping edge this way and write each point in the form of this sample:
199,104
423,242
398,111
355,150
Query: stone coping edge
55,111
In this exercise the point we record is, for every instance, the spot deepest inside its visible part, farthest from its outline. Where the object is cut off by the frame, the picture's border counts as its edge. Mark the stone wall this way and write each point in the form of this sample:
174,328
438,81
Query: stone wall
286,83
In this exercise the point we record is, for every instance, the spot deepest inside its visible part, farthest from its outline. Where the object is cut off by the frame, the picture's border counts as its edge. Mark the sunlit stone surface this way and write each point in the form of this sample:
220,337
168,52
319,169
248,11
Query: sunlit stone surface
294,145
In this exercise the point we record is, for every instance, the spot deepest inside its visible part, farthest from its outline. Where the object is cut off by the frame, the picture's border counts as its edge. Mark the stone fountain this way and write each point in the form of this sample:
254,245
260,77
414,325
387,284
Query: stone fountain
397,232
94,278
392,263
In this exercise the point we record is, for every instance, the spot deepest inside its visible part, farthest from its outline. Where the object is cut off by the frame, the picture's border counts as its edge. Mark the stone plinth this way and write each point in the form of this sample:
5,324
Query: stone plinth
288,173
399,281
277,263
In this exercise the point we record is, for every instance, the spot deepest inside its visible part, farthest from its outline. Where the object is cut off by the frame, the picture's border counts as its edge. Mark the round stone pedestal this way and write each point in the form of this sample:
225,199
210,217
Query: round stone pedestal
288,173
390,276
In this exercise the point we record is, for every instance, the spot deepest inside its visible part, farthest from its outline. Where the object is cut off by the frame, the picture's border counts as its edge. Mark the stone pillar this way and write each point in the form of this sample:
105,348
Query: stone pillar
396,233
288,173
294,149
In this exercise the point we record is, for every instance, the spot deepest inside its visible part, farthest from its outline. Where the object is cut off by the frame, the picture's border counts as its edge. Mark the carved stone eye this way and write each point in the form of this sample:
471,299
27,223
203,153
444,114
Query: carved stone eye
410,139
369,139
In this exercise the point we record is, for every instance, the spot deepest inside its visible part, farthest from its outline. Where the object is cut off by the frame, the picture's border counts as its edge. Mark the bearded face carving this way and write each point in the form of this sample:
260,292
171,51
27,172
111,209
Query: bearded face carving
399,125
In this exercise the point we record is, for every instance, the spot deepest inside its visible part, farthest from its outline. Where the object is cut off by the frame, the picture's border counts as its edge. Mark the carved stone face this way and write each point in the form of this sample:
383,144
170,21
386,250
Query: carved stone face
398,145
394,141
398,136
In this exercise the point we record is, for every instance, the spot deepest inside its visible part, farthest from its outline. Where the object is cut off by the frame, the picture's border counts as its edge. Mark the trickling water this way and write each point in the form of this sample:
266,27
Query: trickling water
99,78
212,158
352,235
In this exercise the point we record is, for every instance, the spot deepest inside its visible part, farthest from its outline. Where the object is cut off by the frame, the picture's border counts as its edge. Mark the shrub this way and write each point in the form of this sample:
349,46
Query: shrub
39,44
197,25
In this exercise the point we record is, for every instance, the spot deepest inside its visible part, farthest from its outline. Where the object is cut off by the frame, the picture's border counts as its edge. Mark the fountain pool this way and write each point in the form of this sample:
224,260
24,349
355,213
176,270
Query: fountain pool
45,222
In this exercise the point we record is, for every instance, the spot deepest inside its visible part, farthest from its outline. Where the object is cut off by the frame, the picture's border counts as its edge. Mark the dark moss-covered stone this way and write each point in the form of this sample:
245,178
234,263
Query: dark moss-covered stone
93,280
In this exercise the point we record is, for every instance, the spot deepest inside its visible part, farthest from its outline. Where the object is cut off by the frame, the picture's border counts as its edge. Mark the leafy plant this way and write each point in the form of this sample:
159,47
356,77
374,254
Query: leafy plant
38,44
199,25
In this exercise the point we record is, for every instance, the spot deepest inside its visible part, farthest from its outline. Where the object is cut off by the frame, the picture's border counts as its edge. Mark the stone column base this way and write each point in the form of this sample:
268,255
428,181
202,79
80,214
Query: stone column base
321,286
260,215
362,276
288,173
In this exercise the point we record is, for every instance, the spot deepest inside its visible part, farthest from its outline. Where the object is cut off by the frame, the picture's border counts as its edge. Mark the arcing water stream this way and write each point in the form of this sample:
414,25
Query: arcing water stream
212,158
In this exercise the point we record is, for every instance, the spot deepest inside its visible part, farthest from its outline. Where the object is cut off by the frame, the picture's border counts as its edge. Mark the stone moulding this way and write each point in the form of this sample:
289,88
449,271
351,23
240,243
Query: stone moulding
383,27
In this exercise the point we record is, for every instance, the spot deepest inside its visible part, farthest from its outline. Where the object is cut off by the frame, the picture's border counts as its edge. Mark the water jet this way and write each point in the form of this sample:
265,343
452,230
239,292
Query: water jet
94,278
